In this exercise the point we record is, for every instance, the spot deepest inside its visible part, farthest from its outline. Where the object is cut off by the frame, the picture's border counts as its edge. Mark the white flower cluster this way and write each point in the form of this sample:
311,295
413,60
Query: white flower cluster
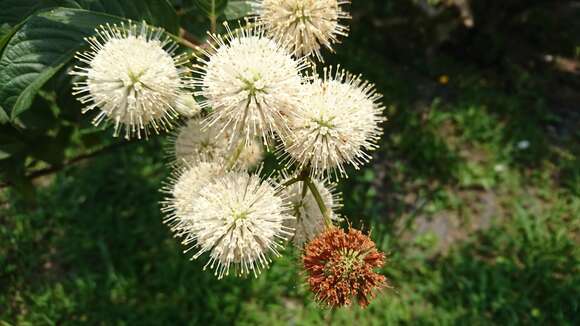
250,89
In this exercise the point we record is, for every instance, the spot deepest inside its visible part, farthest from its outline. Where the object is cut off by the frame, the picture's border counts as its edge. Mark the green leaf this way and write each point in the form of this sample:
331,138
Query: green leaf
4,30
42,46
14,11
237,9
40,118
155,12
4,118
6,36
212,8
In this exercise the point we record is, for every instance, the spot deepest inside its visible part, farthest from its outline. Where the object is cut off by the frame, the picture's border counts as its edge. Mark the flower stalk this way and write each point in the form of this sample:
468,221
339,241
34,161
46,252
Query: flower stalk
236,154
323,209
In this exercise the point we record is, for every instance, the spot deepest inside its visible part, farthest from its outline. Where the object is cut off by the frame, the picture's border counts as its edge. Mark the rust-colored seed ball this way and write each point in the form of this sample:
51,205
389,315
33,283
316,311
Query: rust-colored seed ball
340,267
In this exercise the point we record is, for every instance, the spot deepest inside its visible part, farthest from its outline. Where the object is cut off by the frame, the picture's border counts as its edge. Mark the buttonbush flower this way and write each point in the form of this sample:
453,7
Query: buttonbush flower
340,267
193,140
133,76
188,106
239,219
308,25
308,220
250,82
184,183
338,122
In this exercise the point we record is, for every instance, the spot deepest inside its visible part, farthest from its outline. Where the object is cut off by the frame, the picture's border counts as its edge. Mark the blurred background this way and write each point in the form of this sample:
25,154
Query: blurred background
474,194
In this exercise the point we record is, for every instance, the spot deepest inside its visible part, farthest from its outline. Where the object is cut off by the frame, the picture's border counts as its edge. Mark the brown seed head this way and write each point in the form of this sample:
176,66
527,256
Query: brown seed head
341,265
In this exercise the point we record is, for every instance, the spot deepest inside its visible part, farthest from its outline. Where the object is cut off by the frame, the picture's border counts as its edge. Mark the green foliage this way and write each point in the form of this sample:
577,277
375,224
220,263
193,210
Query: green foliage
89,246
14,11
212,8
529,267
237,9
158,13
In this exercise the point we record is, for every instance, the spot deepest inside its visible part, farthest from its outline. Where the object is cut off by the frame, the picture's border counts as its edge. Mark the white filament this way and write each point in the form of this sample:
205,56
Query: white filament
132,75
308,25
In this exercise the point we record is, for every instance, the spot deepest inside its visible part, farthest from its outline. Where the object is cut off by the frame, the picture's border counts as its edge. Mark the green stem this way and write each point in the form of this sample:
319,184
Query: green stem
213,23
236,154
291,182
323,209
304,176
213,17
238,151
304,190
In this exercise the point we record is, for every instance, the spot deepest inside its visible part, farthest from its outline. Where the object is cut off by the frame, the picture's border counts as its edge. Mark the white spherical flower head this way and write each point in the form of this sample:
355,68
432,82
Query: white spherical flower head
339,122
250,82
193,140
239,219
251,155
309,221
308,25
134,78
187,106
183,185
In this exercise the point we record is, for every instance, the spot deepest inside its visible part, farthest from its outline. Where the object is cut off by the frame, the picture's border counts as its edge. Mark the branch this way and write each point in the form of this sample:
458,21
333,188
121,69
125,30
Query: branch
189,39
54,169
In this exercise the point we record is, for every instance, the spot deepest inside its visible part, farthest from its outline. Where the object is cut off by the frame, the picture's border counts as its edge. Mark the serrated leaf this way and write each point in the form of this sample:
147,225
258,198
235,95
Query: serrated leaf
237,9
212,8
